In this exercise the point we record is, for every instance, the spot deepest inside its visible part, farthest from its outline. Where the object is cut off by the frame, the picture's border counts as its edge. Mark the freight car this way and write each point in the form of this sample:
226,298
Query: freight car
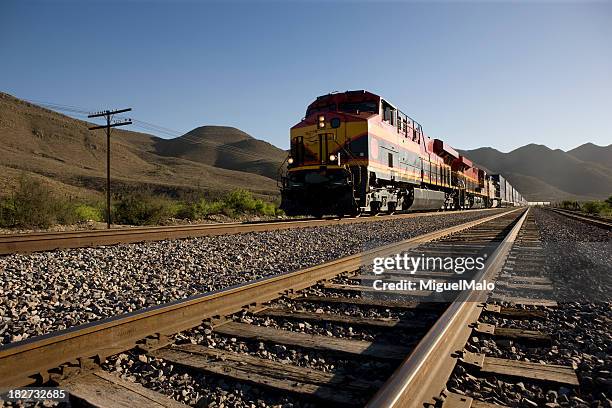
354,152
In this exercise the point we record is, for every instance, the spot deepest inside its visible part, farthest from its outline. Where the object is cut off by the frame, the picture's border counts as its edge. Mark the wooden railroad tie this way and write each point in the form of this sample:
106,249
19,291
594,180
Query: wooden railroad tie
332,387
107,390
314,342
525,369
524,301
513,312
380,322
371,302
511,333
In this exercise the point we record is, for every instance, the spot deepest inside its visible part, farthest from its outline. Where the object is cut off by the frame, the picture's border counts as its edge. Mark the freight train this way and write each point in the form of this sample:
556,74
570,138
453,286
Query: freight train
354,152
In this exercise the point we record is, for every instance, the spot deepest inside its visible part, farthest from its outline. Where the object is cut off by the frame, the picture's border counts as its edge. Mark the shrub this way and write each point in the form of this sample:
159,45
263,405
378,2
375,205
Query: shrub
609,201
592,207
205,208
570,205
187,211
242,201
31,205
143,209
265,208
7,213
233,204
84,212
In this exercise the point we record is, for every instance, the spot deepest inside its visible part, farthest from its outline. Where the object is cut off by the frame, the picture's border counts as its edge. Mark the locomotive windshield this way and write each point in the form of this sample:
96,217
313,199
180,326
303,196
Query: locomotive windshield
350,107
321,109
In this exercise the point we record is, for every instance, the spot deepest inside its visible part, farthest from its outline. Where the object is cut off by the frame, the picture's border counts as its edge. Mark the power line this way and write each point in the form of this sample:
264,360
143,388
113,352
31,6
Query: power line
61,107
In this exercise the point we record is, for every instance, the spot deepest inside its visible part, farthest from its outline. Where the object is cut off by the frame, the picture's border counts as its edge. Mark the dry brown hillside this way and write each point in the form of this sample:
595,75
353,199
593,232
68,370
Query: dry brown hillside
225,147
72,159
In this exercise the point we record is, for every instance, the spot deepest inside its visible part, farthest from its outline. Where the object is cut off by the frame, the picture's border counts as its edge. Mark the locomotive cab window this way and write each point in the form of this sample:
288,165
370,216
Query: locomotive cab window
356,107
401,120
321,109
388,113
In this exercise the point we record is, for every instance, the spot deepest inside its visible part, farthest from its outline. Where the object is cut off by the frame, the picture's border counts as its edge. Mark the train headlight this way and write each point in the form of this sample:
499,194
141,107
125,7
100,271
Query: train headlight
321,121
332,157
290,160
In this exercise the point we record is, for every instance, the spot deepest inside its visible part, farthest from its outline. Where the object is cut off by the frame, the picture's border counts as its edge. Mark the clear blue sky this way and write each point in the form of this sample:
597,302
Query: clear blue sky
475,74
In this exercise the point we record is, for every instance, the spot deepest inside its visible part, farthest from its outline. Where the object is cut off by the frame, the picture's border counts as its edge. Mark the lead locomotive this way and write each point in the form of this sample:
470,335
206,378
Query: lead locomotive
354,152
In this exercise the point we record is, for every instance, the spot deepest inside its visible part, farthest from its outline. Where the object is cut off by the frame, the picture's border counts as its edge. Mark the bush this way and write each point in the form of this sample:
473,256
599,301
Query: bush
187,211
31,205
84,212
592,207
242,201
143,209
570,205
233,204
205,208
7,213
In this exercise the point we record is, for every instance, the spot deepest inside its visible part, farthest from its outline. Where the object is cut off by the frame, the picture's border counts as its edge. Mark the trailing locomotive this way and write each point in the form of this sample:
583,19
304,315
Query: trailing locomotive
355,152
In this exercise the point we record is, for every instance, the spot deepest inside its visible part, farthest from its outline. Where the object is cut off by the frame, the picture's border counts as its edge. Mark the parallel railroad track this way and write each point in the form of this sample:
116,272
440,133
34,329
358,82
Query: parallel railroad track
523,282
591,219
72,357
45,241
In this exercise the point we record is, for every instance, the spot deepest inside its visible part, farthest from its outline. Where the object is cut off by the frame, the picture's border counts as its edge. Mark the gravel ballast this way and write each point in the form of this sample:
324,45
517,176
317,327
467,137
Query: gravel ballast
49,291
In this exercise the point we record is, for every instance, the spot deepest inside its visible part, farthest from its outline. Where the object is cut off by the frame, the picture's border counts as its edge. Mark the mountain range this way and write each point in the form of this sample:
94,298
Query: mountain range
544,174
71,159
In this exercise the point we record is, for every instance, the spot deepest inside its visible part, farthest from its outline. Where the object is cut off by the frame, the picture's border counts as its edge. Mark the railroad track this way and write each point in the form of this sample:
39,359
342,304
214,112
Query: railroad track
72,358
591,219
46,241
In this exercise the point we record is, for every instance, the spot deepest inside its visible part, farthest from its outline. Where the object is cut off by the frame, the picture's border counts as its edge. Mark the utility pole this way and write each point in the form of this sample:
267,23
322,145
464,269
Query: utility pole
108,114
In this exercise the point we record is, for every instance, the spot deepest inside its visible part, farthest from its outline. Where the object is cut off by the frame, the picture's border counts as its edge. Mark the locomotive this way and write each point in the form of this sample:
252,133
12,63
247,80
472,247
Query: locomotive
355,152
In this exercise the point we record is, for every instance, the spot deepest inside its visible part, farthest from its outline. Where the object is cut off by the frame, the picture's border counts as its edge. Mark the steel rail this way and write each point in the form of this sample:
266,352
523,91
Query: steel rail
597,221
46,241
423,375
23,362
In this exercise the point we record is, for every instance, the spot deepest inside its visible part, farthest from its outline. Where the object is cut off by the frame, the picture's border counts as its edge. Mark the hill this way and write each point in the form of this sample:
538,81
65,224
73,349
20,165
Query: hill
225,147
541,173
590,152
70,158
